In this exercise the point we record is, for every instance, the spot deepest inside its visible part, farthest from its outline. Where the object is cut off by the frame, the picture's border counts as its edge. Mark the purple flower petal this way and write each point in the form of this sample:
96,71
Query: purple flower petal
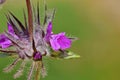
54,44
63,41
11,31
60,41
49,31
4,41
57,41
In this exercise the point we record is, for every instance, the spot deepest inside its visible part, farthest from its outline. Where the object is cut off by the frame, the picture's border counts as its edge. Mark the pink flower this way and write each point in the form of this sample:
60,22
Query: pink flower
49,32
60,41
57,41
4,41
11,31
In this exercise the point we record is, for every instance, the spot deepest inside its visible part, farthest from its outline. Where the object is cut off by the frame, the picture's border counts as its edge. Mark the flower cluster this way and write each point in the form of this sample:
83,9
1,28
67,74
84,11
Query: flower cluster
32,41
57,41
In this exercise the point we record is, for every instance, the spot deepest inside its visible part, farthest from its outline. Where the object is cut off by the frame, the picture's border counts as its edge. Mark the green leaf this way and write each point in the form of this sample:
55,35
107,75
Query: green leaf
65,55
71,55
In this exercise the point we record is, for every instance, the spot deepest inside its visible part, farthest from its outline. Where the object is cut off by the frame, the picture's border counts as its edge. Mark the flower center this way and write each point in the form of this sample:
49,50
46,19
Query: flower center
37,56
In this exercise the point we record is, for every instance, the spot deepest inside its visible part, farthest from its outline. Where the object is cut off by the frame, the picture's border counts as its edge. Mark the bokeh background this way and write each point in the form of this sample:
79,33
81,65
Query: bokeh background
97,25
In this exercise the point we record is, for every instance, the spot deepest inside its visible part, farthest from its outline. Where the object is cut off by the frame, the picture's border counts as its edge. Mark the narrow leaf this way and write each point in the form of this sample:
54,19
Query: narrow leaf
38,16
71,55
18,21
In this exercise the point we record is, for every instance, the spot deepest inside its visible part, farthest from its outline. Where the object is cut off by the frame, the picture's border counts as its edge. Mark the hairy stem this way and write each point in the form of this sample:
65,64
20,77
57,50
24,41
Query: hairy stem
38,70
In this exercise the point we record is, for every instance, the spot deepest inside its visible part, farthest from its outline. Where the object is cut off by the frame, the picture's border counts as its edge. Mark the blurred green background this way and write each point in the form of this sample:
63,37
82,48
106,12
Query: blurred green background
97,25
